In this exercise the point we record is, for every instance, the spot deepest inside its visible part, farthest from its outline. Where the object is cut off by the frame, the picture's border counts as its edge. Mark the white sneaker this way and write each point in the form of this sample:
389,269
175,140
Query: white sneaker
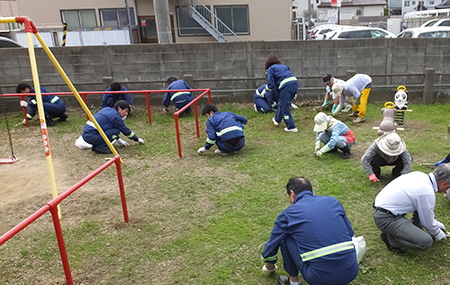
256,109
82,144
275,122
294,130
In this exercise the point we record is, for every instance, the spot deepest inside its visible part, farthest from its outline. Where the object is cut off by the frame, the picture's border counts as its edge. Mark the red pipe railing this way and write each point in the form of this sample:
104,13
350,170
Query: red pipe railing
83,94
177,113
52,206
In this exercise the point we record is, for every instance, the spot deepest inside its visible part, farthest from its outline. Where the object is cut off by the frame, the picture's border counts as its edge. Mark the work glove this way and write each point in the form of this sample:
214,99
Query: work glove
165,110
337,110
334,108
263,93
322,151
295,97
440,236
441,226
440,162
267,270
317,148
201,150
373,177
356,101
121,142
295,107
325,103
23,103
141,141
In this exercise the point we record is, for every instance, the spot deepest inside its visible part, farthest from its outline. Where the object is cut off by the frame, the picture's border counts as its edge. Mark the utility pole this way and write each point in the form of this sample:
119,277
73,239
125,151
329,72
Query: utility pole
130,30
309,15
162,21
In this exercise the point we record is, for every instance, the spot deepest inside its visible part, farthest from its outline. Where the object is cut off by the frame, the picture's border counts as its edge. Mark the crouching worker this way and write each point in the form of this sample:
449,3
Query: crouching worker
411,193
264,101
54,107
225,129
179,99
388,149
334,134
111,122
314,236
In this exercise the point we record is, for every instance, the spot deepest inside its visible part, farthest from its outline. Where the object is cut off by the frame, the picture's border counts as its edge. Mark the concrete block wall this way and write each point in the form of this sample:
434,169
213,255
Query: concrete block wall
237,66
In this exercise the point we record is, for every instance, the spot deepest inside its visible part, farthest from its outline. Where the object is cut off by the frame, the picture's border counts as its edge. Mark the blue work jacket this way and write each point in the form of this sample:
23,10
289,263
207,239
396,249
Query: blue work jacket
47,99
180,99
110,99
269,96
278,76
314,222
223,126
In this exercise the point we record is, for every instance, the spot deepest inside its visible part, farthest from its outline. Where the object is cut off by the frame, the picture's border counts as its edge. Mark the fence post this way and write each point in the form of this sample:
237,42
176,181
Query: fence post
428,84
189,79
107,81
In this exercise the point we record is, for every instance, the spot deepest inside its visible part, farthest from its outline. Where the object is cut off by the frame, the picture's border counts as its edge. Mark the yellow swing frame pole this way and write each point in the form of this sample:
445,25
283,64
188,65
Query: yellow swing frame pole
75,92
37,88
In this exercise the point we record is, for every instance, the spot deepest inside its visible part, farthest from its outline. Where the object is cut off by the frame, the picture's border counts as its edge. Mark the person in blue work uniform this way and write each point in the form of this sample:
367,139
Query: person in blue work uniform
179,99
281,80
314,236
264,101
109,100
225,129
111,122
333,134
54,106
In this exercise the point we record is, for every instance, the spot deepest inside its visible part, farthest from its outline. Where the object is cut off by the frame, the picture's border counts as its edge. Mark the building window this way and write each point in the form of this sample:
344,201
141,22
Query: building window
116,17
187,26
79,18
406,3
431,3
235,17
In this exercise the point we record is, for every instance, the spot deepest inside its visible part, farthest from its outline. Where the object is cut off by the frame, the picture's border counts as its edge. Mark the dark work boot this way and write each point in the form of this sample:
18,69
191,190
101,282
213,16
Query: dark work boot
346,151
49,121
63,117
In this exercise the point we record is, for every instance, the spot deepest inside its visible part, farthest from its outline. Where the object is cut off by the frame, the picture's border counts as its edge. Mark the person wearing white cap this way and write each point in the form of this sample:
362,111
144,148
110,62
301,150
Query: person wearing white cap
389,149
329,94
411,193
334,134
358,87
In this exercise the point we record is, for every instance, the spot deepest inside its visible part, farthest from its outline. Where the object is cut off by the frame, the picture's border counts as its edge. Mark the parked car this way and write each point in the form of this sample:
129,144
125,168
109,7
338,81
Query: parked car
426,32
359,33
319,32
437,23
8,43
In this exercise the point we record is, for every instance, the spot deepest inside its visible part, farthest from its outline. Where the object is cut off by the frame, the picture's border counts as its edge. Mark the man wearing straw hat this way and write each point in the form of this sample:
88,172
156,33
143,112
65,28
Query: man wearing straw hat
388,149
411,193
334,134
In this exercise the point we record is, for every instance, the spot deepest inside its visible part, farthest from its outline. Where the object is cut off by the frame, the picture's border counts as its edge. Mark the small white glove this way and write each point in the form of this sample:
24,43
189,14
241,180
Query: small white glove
317,148
21,123
165,110
201,150
440,236
23,103
121,142
295,97
441,226
141,141
295,107
267,270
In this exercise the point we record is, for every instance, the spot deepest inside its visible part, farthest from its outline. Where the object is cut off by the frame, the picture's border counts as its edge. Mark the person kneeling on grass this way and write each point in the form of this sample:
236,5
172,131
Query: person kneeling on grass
314,236
388,149
411,193
225,129
111,122
334,134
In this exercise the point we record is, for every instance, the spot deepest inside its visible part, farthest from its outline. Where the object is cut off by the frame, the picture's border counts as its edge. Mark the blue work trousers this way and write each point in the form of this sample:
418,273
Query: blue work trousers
324,272
53,110
95,139
287,93
223,147
261,105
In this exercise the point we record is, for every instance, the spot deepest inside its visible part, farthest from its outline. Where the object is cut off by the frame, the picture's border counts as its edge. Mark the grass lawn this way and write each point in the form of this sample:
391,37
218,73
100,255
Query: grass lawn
200,219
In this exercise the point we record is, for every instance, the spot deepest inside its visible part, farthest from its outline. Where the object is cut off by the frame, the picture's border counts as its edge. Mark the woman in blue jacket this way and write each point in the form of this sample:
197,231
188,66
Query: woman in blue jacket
280,78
